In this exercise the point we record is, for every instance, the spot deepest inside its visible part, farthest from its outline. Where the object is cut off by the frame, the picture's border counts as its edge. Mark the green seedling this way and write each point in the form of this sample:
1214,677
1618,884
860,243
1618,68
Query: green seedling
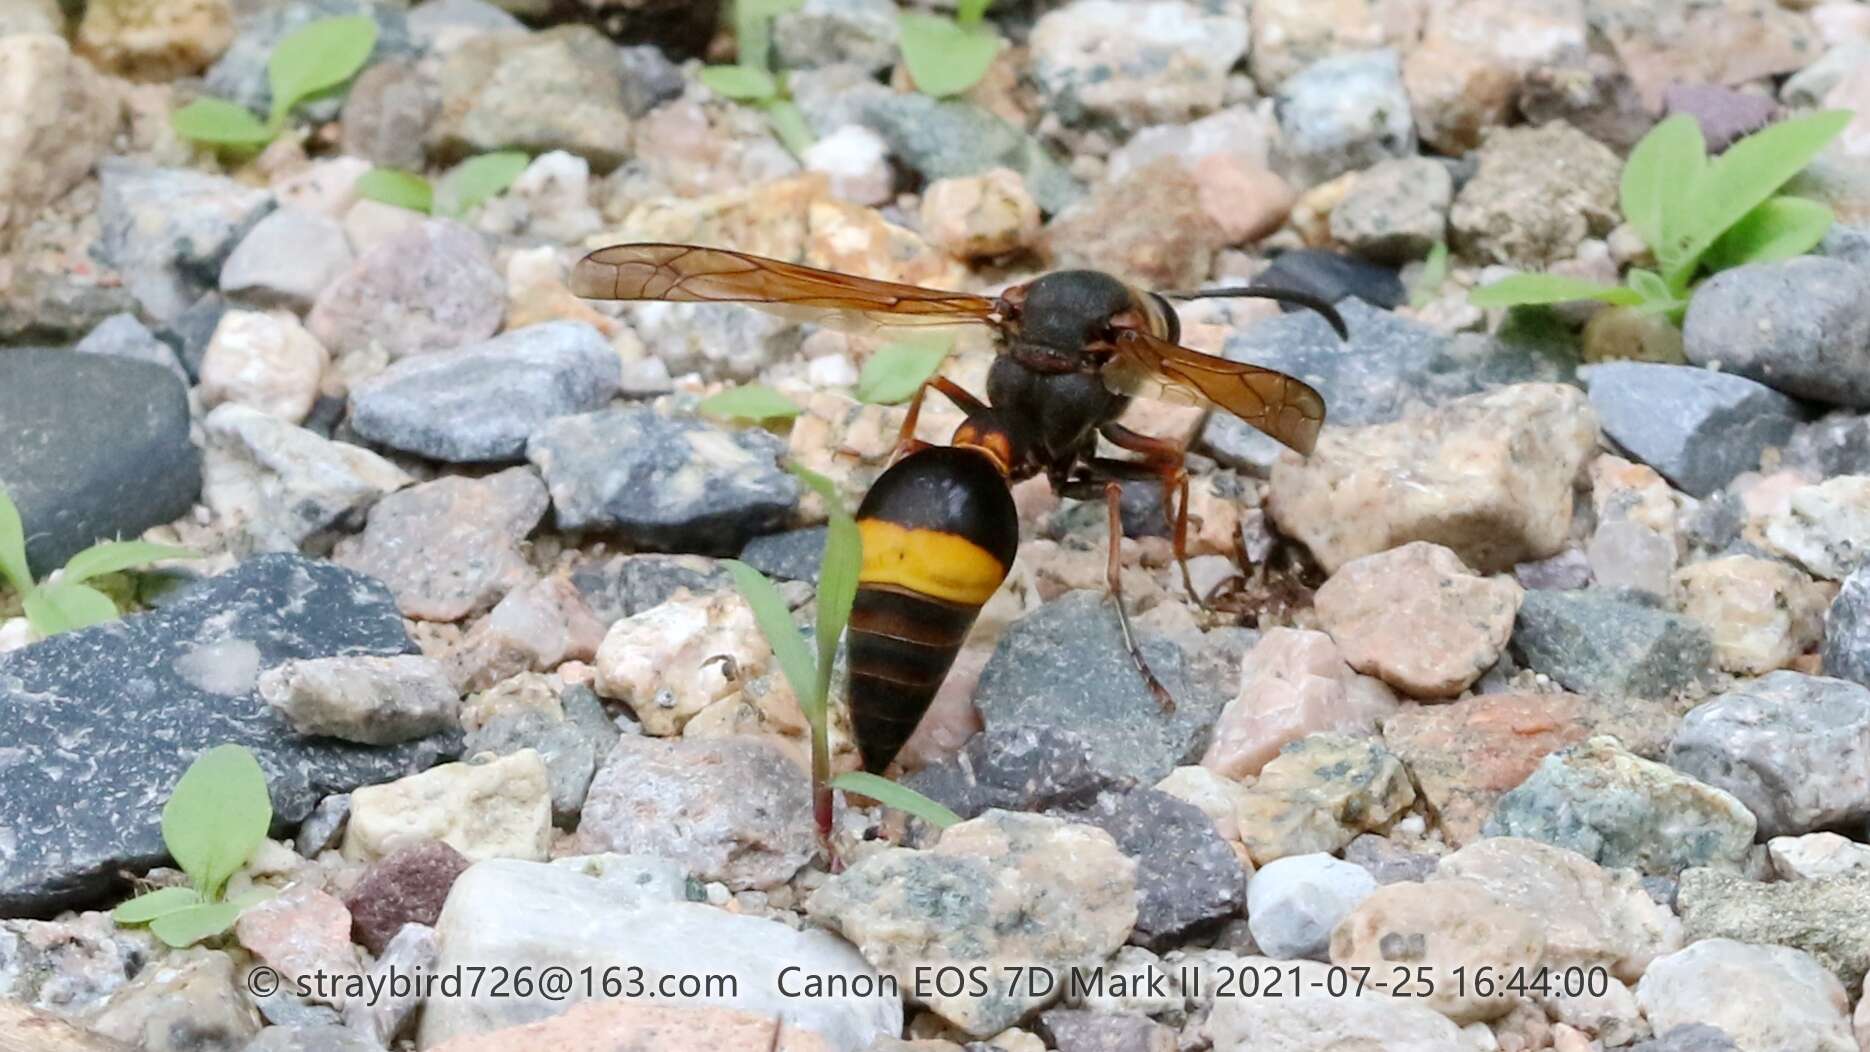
752,80
751,403
218,814
1434,275
469,185
810,675
311,62
1698,214
892,376
948,56
54,606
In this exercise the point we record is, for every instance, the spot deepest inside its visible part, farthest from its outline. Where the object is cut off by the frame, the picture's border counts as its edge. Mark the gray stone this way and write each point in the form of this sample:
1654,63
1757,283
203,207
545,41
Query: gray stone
364,699
573,743
822,32
666,483
1065,665
69,967
1825,918
1603,643
169,230
1108,62
1624,812
1837,443
386,112
1798,326
1389,366
626,585
323,829
280,486
1689,1037
92,447
1699,428
1293,903
1847,630
1536,195
558,89
1343,113
734,810
1387,861
1076,1030
239,76
53,306
1396,211
943,139
145,695
287,259
794,555
328,1037
434,22
1794,748
478,404
1848,242
412,951
122,336
190,332
577,914
1187,878
193,1002
429,288
1024,767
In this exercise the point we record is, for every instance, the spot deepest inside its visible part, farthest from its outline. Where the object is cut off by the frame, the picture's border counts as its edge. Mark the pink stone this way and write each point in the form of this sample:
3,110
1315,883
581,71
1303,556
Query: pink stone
1292,683
628,1026
302,931
533,629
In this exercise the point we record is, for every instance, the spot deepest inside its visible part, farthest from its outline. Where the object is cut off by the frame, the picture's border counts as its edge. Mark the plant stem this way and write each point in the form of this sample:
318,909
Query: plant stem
822,797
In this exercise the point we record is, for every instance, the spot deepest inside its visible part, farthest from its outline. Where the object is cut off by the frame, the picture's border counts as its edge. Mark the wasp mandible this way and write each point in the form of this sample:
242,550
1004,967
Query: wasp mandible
939,527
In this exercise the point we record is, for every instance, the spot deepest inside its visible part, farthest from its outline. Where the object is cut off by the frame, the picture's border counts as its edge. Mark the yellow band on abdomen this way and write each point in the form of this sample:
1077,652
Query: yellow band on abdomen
928,562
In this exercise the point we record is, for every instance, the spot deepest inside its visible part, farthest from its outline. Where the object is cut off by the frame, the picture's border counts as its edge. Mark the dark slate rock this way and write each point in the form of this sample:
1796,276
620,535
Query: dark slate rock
1020,768
407,886
1788,746
92,447
1595,642
794,555
239,76
169,230
189,333
100,723
1837,443
1187,877
1699,428
943,139
478,404
1389,365
1065,665
572,743
122,336
1847,630
664,483
1333,277
1798,326
1689,1037
626,585
1079,1030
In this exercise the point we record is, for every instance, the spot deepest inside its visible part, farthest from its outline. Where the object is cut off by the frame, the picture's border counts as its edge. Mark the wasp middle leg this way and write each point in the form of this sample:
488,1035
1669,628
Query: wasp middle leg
1085,487
1167,461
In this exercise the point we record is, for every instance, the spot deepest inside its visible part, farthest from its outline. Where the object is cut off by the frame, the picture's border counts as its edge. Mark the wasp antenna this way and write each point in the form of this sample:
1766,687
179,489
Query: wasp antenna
1270,292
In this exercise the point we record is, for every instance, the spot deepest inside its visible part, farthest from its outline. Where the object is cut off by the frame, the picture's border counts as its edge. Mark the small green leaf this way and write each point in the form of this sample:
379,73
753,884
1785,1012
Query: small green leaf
476,179
742,83
1746,176
1434,274
218,814
1524,290
1648,284
775,621
399,188
789,126
944,58
145,908
13,546
901,797
753,402
191,924
1657,178
1781,228
824,487
316,57
899,369
970,12
220,123
64,606
112,556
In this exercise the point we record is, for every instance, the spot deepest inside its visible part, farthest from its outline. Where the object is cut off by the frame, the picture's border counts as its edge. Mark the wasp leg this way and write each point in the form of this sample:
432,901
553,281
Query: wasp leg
1084,488
1167,461
906,440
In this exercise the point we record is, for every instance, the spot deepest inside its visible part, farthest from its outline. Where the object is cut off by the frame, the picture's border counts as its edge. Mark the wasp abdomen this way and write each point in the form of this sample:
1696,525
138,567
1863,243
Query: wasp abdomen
939,533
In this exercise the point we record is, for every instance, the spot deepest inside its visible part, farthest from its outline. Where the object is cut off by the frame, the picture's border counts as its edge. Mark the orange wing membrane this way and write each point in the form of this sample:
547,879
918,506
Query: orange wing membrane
694,274
1148,367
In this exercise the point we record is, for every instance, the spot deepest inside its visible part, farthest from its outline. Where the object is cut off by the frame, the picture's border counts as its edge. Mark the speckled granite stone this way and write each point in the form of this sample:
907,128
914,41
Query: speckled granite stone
96,726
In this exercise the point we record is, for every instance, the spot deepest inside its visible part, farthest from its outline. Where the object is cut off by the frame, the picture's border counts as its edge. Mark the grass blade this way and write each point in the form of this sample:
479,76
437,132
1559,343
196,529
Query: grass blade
112,556
753,402
901,797
1525,290
63,606
13,546
775,621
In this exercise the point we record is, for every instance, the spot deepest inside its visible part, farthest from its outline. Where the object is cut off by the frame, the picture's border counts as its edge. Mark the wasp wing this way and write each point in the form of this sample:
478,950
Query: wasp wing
1283,407
696,274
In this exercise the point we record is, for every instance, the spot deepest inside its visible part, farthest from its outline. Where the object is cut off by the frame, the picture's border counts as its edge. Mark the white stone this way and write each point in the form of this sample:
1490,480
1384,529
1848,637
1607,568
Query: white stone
57,117
665,663
1767,998
280,484
1305,1017
857,162
1760,613
520,915
501,809
1827,526
1294,903
266,361
1816,856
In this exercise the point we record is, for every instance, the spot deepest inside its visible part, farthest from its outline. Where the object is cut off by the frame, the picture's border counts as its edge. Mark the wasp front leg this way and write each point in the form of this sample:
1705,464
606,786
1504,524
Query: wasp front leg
1167,461
1086,487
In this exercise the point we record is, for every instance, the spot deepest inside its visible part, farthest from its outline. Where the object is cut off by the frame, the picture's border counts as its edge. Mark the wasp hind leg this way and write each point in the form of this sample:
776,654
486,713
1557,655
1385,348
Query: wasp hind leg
1167,461
1085,488
906,440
